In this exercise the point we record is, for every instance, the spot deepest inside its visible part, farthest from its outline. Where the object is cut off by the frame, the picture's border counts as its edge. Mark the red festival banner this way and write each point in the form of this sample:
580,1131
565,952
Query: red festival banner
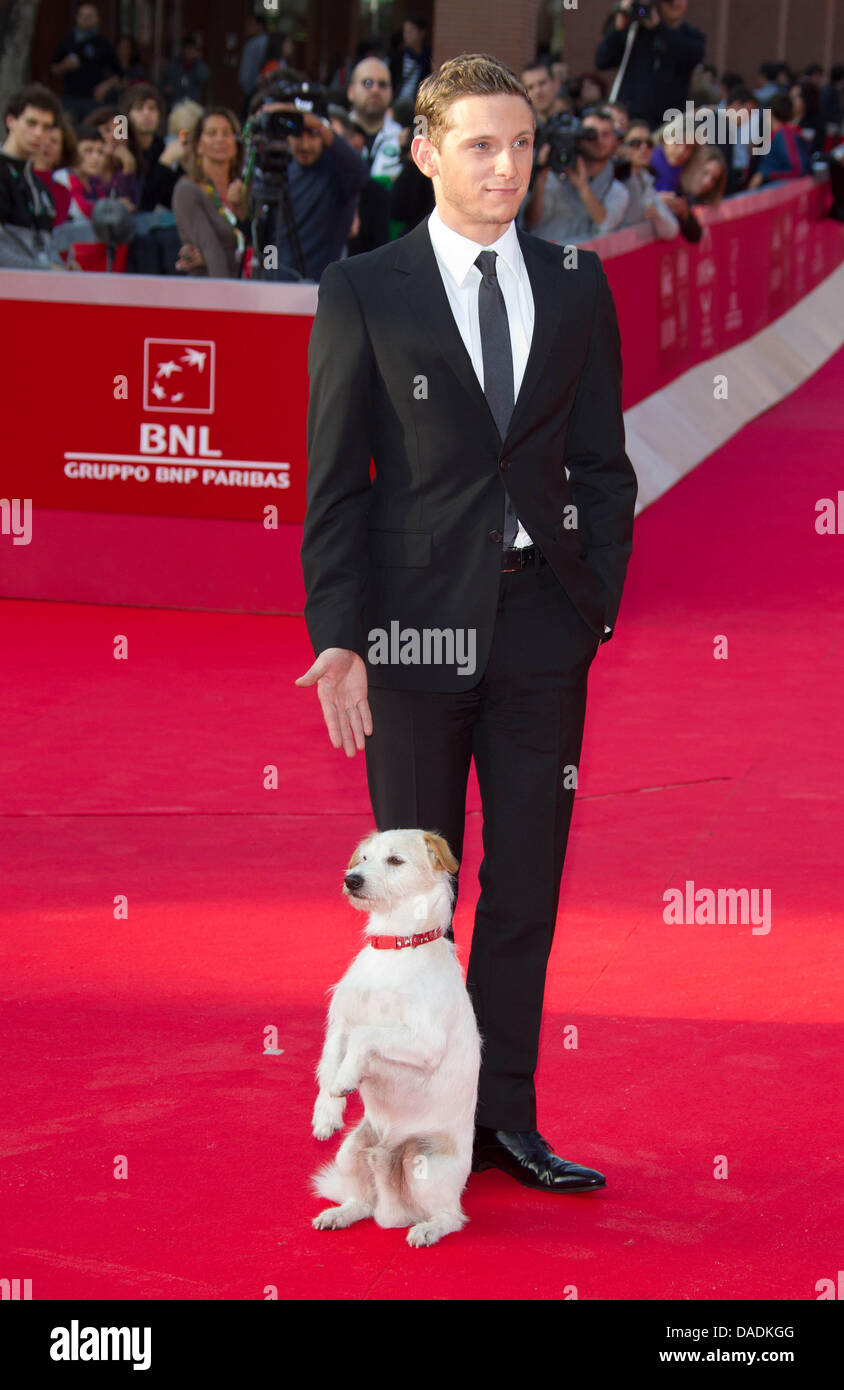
681,303
149,404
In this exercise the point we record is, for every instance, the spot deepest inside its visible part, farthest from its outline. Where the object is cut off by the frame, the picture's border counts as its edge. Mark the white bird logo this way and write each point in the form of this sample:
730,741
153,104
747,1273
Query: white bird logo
186,357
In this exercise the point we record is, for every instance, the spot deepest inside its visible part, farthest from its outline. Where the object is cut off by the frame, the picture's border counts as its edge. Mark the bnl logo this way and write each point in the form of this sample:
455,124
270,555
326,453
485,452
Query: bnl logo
179,375
11,1289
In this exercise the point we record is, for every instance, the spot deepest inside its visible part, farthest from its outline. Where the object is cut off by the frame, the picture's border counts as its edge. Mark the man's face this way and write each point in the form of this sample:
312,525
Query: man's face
371,101
145,117
672,11
26,132
605,146
306,147
87,18
541,89
483,165
411,35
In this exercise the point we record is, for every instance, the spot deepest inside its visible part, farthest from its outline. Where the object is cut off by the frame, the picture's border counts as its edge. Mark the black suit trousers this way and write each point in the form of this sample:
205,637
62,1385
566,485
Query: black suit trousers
523,724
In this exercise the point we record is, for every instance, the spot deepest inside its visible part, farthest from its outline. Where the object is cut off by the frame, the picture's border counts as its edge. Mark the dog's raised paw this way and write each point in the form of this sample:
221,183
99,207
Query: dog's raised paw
325,1128
327,1117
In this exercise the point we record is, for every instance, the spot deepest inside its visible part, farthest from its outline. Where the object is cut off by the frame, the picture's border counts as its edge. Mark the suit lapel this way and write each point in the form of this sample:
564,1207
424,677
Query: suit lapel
431,314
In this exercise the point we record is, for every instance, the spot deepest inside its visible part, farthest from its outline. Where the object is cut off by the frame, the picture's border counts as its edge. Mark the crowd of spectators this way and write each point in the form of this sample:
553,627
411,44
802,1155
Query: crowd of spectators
129,174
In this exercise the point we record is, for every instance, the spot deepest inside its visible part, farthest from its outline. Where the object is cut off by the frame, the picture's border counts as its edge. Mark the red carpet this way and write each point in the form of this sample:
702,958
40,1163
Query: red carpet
143,1036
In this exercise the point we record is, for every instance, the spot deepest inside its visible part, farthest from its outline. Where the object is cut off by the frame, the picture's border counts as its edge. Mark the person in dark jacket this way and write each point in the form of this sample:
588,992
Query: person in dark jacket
411,62
663,55
788,157
806,99
158,169
371,225
27,211
160,166
739,152
832,100
86,62
187,77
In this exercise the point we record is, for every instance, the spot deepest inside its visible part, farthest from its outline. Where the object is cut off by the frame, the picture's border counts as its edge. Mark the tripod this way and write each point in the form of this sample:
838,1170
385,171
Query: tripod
271,214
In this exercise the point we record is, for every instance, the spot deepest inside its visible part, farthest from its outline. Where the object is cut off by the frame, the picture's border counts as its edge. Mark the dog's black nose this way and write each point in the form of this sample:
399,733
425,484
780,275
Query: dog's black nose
353,882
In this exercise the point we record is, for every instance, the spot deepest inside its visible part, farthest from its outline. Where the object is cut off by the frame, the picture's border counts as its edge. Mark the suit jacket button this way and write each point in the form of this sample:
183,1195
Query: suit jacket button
496,535
504,465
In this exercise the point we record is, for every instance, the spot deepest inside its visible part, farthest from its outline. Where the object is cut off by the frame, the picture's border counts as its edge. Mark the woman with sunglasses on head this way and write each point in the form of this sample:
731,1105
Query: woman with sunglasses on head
645,203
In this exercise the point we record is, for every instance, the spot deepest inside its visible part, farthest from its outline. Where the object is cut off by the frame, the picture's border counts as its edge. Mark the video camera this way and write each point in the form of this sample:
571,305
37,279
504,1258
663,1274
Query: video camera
268,130
277,125
638,11
569,139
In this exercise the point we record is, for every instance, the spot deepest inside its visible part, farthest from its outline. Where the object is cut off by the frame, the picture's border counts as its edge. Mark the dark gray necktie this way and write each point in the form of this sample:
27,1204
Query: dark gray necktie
498,362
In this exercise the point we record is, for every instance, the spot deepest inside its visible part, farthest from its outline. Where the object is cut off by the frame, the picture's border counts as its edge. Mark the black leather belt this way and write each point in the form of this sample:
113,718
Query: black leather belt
520,557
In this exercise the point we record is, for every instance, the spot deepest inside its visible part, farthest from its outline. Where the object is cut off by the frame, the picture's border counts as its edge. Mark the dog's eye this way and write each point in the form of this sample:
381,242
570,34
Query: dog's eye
394,859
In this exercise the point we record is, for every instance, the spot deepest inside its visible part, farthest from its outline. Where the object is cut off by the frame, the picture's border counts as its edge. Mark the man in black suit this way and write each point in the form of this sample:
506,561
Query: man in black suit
456,600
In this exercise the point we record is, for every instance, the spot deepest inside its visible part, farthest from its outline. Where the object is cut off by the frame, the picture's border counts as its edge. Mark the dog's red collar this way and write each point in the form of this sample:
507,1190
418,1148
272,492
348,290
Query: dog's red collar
395,943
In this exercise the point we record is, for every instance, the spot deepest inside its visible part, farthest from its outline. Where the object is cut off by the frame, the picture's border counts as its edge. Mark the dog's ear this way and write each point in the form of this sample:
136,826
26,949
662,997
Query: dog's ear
438,847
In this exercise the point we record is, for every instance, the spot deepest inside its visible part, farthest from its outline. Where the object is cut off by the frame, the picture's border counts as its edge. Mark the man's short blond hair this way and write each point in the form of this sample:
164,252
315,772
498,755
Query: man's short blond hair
467,75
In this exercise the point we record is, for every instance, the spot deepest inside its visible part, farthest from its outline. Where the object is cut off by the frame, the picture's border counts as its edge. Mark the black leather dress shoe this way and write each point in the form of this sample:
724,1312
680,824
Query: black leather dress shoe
529,1158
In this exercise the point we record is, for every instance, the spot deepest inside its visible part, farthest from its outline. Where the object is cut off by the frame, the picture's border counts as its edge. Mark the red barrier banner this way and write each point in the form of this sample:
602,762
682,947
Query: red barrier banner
168,397
681,303
149,404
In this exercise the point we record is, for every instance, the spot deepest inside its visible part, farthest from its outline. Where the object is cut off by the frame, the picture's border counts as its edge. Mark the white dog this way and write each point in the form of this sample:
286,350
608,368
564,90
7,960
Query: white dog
402,1031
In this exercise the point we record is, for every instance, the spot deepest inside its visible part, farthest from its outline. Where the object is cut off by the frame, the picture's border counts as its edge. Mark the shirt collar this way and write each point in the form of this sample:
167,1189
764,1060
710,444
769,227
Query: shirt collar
459,252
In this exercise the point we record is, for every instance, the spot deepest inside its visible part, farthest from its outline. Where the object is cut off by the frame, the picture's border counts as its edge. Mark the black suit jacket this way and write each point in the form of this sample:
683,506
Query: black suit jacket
420,544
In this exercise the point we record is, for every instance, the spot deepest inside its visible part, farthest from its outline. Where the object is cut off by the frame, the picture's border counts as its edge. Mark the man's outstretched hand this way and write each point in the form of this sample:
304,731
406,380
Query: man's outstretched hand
340,678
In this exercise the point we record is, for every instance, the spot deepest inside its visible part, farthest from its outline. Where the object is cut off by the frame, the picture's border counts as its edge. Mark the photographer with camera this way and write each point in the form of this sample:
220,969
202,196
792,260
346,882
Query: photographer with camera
656,52
575,194
303,180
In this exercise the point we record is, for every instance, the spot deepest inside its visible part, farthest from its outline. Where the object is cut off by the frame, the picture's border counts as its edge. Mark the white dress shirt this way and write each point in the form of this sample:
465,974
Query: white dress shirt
456,255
